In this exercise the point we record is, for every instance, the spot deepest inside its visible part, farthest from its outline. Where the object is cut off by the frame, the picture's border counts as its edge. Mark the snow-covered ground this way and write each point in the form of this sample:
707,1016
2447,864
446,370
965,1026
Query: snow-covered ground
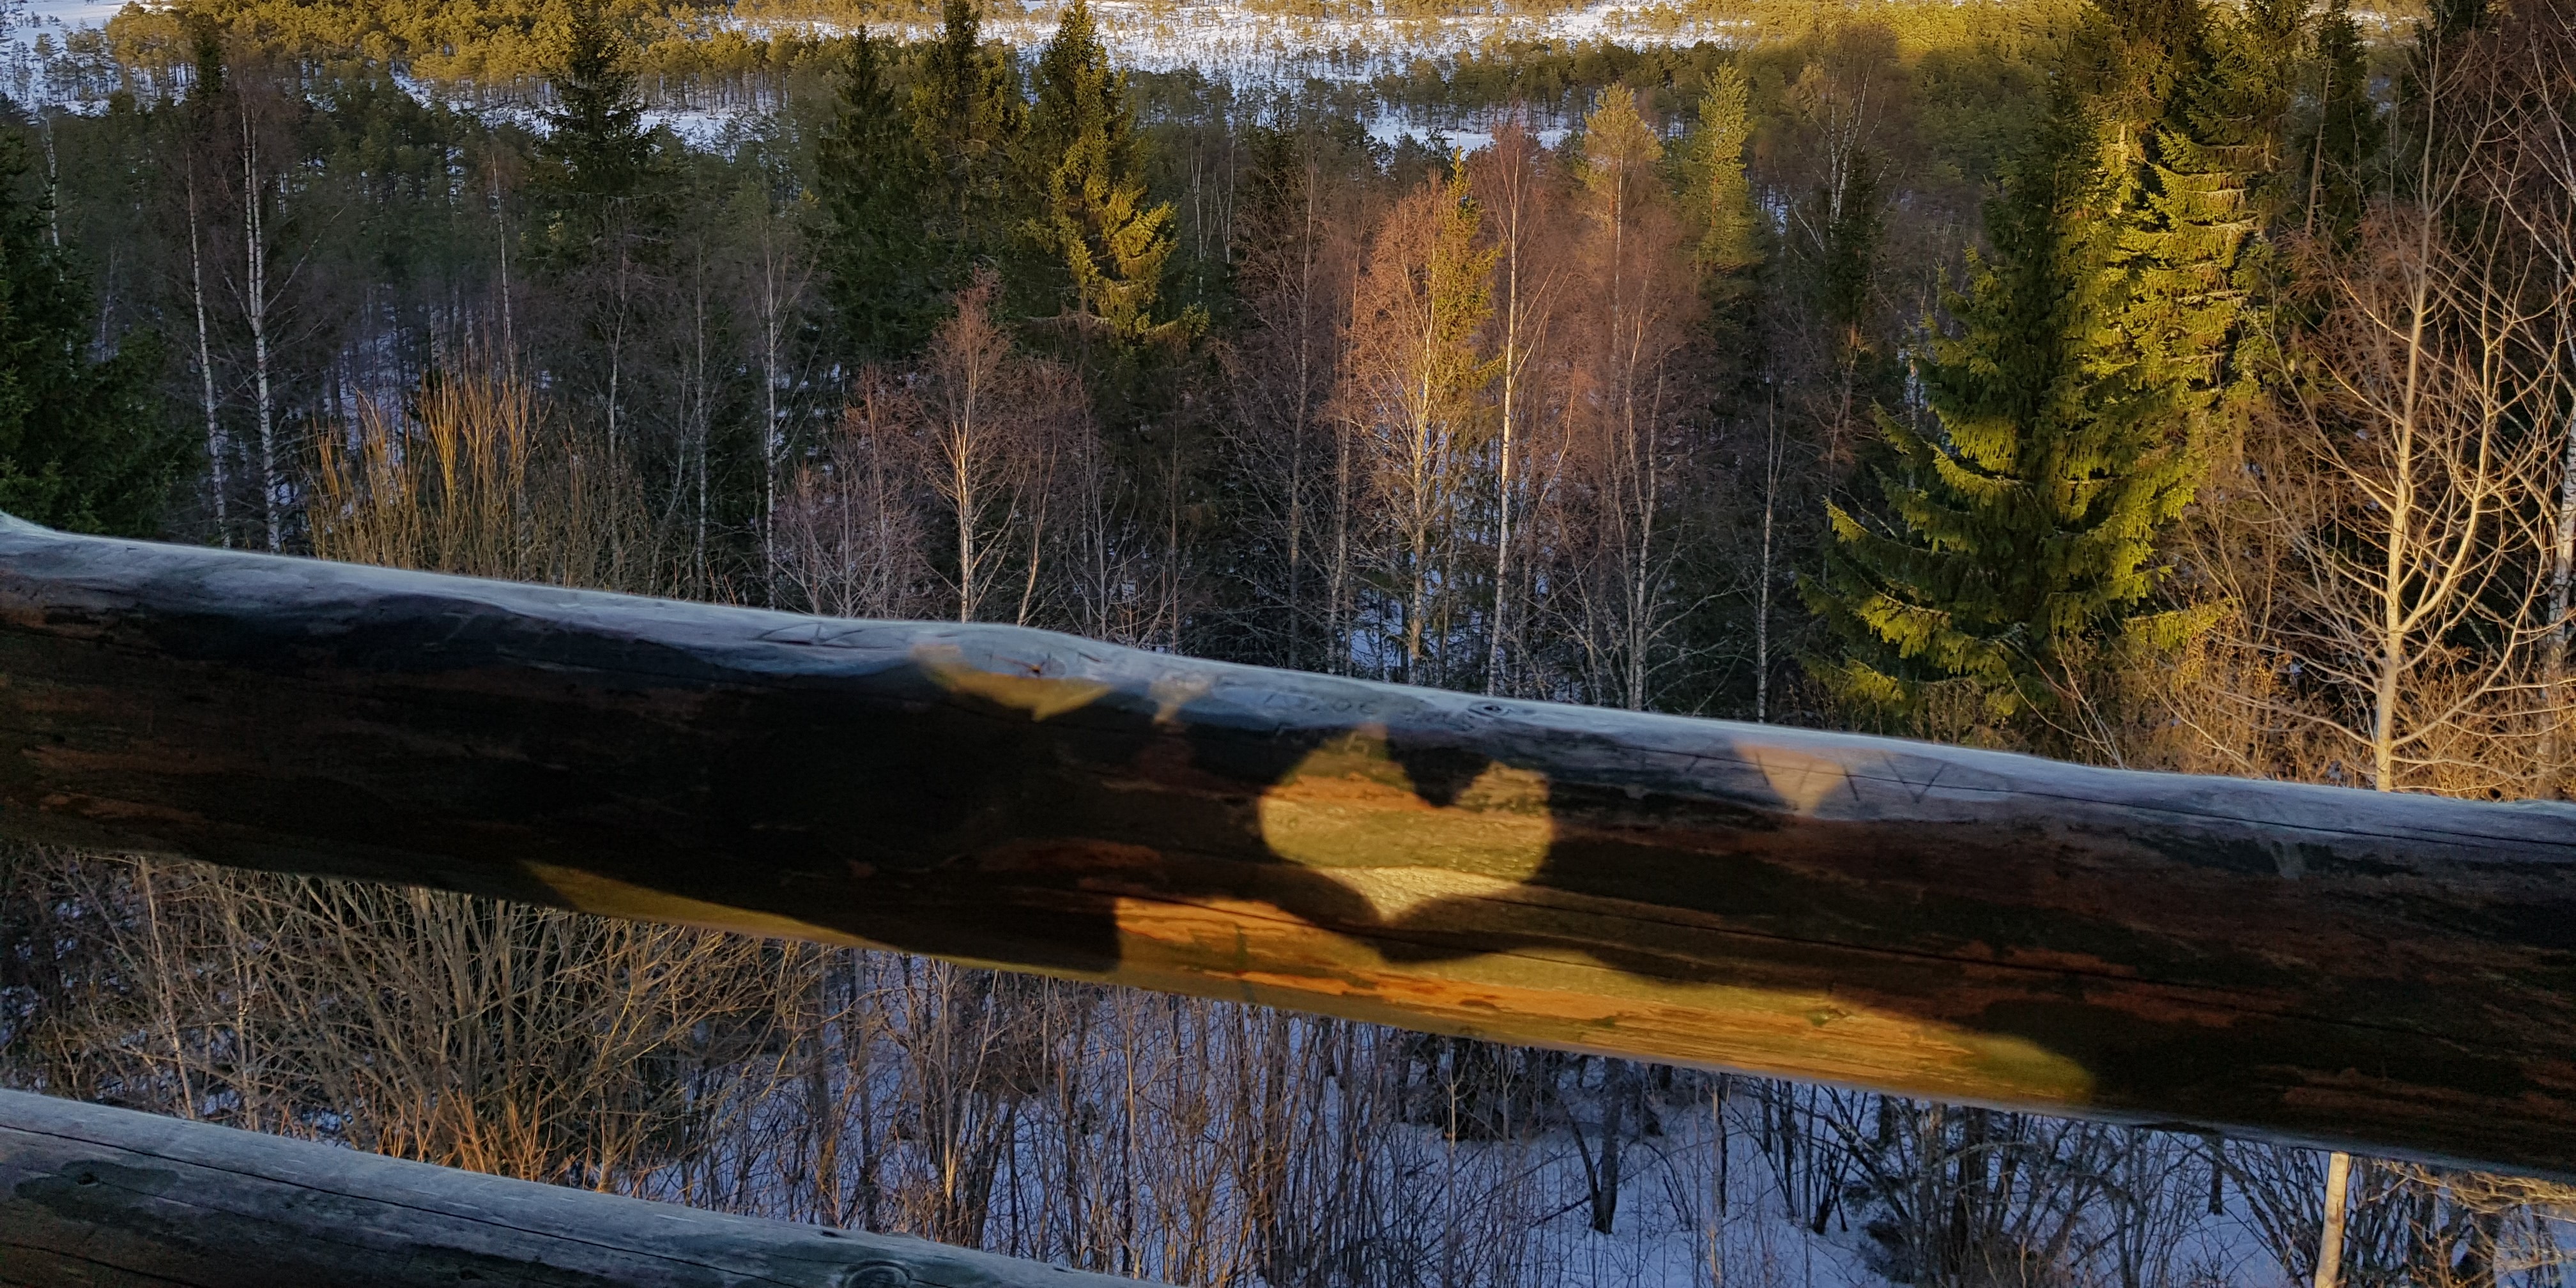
61,15
1390,126
1235,44
1252,52
1246,49
23,22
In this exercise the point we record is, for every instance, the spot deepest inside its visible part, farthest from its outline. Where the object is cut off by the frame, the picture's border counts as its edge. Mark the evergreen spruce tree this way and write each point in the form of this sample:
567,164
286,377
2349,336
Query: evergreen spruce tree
2183,213
2259,59
1103,245
1846,260
967,117
2099,353
2021,524
1718,199
598,162
1076,92
883,273
82,444
2341,144
1730,241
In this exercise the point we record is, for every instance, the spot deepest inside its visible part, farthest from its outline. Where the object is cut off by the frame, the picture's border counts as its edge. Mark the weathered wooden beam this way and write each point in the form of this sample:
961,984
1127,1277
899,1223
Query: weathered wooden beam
93,1195
2388,973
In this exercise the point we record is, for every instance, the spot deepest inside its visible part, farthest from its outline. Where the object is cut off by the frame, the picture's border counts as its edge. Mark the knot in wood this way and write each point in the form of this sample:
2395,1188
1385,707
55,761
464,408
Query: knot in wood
879,1274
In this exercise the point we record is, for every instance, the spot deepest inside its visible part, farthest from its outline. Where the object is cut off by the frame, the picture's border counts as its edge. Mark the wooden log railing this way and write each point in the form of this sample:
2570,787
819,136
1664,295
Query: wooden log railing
93,1195
2381,972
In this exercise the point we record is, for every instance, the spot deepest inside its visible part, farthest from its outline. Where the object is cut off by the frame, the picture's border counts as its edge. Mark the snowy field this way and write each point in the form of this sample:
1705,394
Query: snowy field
1249,51
60,15
23,21
1229,43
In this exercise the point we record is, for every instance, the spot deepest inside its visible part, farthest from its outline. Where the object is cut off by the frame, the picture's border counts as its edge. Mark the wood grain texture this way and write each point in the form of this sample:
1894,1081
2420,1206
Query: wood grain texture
2395,974
94,1195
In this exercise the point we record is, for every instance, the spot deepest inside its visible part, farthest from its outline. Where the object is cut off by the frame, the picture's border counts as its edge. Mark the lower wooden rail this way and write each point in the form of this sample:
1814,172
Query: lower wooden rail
2388,973
93,1195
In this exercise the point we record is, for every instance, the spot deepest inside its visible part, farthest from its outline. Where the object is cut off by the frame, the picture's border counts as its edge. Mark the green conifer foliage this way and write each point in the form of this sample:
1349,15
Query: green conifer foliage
1104,244
1077,91
2098,355
82,446
1730,246
1114,247
1847,259
872,176
2022,522
1718,199
1457,293
598,161
2246,107
2342,144
2182,215
967,117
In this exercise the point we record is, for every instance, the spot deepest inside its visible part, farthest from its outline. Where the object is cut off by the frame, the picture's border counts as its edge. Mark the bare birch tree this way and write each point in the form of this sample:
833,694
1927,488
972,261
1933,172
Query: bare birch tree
2399,482
1412,390
275,253
992,426
1514,180
1298,230
1630,399
2535,187
848,534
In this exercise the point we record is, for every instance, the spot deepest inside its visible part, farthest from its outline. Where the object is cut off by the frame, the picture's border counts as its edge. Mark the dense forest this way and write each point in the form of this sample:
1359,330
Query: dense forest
2148,382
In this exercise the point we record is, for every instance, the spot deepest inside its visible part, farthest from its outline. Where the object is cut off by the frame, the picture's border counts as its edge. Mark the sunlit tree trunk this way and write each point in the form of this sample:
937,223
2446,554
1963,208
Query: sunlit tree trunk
1640,319
2545,209
1302,412
2330,1239
1765,574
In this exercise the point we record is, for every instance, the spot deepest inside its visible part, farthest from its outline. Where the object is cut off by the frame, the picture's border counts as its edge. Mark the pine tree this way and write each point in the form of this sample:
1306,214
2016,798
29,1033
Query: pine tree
967,117
82,445
872,177
2022,523
1104,246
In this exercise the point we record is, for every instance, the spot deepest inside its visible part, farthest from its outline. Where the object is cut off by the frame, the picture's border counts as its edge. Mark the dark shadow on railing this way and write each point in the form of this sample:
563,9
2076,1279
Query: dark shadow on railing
2391,973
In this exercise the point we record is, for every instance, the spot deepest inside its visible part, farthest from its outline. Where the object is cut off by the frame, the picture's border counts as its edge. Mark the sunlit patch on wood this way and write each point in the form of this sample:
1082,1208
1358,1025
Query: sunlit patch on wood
1805,783
1170,693
1935,921
1234,950
1041,696
1351,809
609,897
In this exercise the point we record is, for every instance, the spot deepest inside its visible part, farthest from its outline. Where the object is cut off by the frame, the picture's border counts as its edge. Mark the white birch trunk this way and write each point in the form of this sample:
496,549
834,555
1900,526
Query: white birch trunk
255,310
216,448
